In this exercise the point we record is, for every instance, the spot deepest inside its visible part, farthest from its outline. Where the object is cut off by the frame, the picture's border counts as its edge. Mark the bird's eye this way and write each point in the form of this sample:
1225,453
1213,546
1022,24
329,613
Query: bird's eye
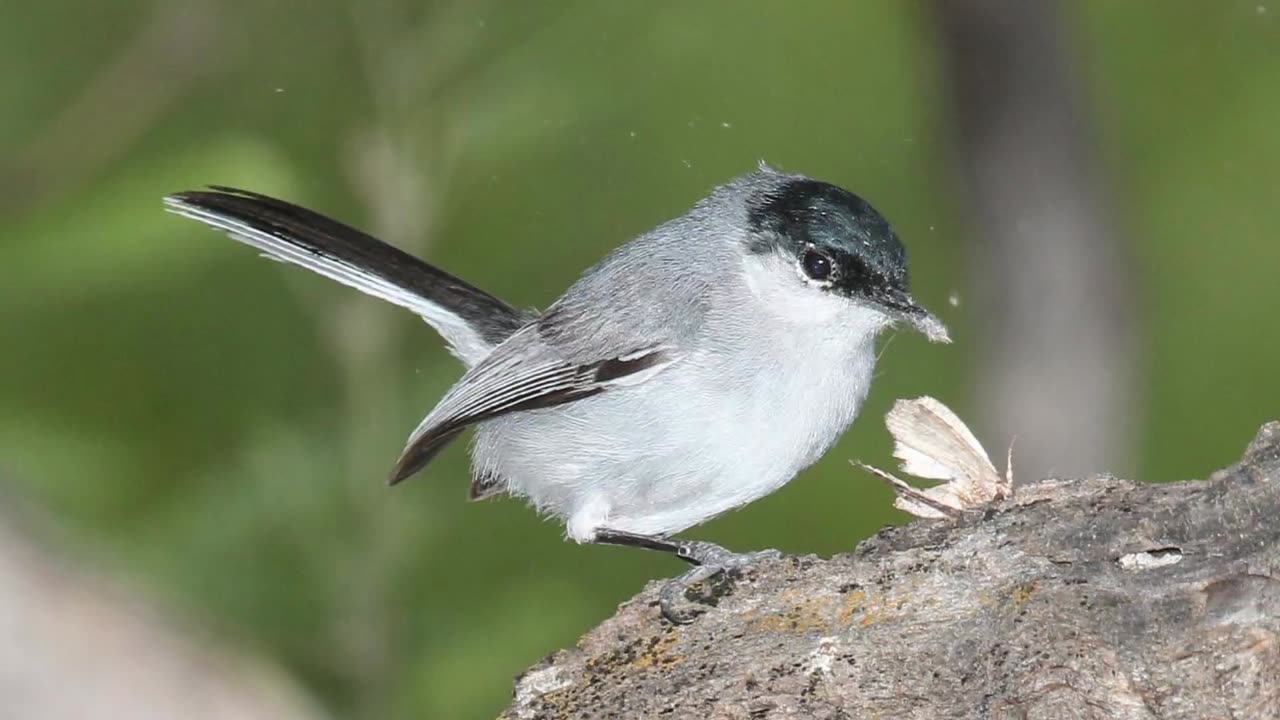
816,265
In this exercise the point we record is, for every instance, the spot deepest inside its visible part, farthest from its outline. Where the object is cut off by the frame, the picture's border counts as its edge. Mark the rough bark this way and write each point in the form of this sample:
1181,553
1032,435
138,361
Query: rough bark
1085,598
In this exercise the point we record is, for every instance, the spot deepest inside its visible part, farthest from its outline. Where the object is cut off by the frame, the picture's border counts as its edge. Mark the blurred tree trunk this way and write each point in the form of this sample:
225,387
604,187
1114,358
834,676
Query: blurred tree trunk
1054,296
75,645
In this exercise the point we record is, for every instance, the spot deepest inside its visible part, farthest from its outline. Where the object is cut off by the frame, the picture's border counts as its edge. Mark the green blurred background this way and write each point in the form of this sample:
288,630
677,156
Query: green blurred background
215,429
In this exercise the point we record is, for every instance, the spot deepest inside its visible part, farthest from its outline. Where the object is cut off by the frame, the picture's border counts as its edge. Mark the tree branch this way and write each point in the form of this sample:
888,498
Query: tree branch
1086,598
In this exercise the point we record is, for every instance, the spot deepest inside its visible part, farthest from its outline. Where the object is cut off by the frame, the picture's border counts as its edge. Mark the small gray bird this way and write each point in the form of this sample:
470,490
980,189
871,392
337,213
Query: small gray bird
696,368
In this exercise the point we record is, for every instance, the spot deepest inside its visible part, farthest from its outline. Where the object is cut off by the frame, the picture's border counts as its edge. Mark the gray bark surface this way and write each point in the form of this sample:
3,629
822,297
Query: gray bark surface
1086,598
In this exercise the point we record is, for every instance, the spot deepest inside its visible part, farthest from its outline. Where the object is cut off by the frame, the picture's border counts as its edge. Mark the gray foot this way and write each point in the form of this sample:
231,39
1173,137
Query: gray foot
710,560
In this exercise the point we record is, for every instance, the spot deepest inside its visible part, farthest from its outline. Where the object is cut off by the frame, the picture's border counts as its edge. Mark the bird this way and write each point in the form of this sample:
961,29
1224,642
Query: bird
694,369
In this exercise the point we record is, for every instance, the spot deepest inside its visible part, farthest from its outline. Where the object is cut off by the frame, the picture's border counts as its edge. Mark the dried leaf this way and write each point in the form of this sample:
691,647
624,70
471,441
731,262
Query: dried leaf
934,444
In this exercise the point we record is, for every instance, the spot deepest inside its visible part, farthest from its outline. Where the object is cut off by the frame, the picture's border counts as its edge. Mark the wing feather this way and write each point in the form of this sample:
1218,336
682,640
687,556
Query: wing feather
522,374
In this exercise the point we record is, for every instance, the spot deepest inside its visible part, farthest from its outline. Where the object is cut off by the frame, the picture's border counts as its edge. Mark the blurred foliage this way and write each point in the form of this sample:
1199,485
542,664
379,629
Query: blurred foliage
218,428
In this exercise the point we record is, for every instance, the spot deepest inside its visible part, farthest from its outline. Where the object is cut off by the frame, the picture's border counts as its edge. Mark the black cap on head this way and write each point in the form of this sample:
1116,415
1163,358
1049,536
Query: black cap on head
804,214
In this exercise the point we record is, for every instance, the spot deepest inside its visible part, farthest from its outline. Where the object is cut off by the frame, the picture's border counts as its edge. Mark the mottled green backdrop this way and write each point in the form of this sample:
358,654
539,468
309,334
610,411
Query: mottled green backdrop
217,428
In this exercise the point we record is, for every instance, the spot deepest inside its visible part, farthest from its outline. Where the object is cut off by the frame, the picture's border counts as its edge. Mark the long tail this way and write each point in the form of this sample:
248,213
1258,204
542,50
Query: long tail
470,320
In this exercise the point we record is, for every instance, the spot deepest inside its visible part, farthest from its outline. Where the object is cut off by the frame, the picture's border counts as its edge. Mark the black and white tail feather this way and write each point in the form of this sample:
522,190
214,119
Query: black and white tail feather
469,319
511,366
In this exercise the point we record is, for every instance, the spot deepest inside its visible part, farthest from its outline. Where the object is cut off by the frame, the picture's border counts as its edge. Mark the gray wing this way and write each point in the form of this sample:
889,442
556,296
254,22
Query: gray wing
624,320
524,373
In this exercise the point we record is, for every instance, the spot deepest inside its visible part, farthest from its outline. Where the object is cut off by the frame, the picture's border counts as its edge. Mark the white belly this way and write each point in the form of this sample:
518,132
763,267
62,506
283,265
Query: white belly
707,435
736,451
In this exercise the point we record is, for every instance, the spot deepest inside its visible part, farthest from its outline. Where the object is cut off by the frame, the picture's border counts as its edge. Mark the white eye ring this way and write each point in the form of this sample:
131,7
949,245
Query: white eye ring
815,267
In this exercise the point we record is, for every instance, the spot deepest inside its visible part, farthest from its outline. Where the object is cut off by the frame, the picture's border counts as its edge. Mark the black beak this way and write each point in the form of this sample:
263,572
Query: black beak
902,308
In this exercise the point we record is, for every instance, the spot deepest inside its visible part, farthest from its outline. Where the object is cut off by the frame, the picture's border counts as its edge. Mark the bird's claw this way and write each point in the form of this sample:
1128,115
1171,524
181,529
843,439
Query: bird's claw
709,560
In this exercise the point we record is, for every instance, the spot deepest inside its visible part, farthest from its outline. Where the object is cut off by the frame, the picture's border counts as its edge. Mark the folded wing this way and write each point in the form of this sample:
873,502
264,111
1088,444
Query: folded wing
522,374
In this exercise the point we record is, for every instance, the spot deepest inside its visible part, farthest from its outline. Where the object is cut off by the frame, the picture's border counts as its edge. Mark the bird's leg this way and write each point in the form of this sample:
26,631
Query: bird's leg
708,560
